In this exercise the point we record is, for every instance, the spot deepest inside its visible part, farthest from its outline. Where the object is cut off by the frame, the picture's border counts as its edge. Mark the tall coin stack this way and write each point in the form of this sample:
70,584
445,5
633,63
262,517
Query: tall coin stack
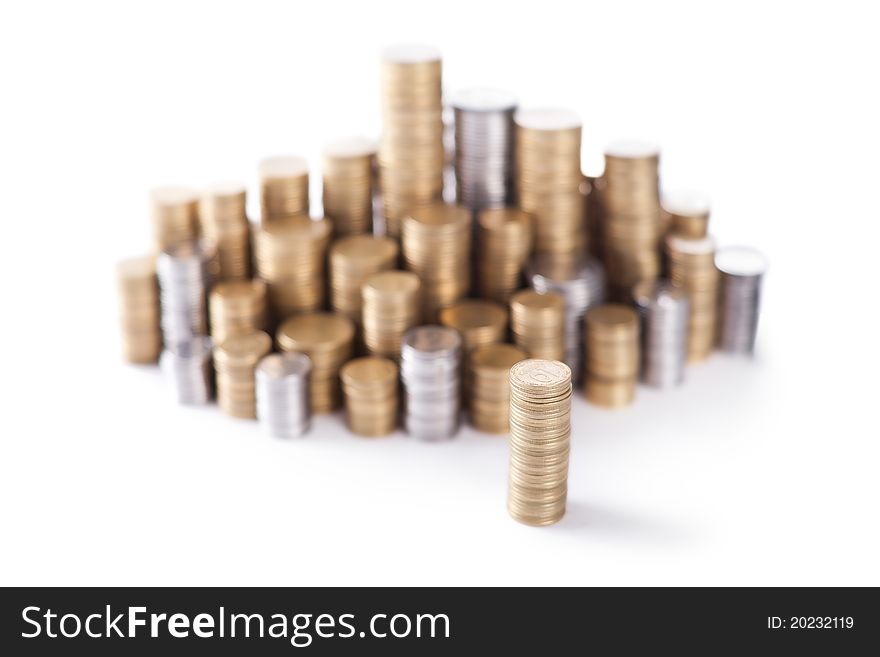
237,308
284,188
488,381
537,322
223,213
742,271
612,363
353,260
663,309
691,263
504,242
175,215
186,272
391,306
138,295
686,214
540,435
370,386
234,361
282,387
348,185
188,364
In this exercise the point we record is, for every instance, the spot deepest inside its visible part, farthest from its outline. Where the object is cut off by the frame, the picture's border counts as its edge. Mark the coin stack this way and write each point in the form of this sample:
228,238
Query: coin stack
742,270
686,214
282,387
691,263
663,309
480,322
353,260
234,361
175,215
391,303
612,362
138,295
548,178
237,308
489,385
223,213
348,185
540,434
411,153
430,372
504,239
327,339
186,272
188,364
436,246
284,188
370,386
537,322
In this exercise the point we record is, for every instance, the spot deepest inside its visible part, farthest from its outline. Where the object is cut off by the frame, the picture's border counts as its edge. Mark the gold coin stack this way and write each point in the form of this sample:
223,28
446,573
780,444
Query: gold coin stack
224,222
237,308
504,240
612,359
290,256
538,324
489,385
371,390
284,188
391,303
686,214
540,434
411,152
234,362
175,216
436,246
348,185
138,292
327,339
480,322
691,263
353,260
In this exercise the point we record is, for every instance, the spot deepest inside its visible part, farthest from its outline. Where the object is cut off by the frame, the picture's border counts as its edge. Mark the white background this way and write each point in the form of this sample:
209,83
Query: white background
759,472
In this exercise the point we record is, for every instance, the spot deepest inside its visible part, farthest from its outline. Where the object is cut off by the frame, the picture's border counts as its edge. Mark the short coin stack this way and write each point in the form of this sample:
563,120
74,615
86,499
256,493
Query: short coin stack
237,308
480,323
540,434
138,295
391,306
691,263
223,213
687,214
284,188
504,242
353,260
371,390
186,272
537,322
612,363
489,385
663,308
188,364
234,361
742,271
348,185
175,215
283,394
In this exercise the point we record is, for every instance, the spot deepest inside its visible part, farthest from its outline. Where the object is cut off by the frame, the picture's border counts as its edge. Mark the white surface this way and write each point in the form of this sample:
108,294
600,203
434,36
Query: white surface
752,473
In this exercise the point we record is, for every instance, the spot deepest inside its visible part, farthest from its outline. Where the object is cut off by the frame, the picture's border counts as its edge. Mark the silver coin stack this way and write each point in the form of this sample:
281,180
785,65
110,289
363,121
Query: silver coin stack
430,369
664,311
282,390
581,283
742,271
188,363
185,277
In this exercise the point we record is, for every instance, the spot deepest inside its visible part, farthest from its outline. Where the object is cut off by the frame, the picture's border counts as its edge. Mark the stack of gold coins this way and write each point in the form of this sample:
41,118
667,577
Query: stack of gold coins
411,153
480,322
348,185
371,390
391,306
548,177
504,241
327,339
436,246
138,293
290,256
612,359
234,362
175,216
353,259
489,399
237,308
224,222
691,263
537,322
284,188
540,434
686,214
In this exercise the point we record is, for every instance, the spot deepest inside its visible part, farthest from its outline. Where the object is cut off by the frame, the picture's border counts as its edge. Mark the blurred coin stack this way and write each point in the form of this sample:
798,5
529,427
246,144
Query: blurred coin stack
234,361
237,308
430,373
186,272
224,222
411,153
353,260
686,214
504,239
691,263
742,271
391,306
612,359
188,364
480,322
348,185
284,188
663,309
537,322
138,294
327,339
489,385
540,434
282,387
370,387
175,215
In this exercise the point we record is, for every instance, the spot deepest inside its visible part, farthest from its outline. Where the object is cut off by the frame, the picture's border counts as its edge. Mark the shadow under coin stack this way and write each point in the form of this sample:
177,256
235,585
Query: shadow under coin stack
663,309
537,323
686,214
430,371
138,294
186,272
391,306
489,385
282,387
284,188
742,271
348,185
370,387
234,361
504,242
612,362
188,364
353,260
691,263
237,308
223,214
175,216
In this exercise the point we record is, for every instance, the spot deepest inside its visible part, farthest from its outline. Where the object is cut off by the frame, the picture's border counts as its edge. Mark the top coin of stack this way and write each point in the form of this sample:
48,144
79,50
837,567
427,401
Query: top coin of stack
391,306
489,386
223,213
686,214
139,309
175,216
691,264
504,240
237,308
537,322
372,395
284,188
234,361
348,185
353,259
612,362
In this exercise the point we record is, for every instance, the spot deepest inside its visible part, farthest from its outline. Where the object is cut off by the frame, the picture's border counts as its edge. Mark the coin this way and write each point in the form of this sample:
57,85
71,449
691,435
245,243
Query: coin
370,386
489,385
663,308
138,298
284,188
613,354
174,211
391,306
353,259
691,263
686,213
742,272
234,362
224,223
282,394
185,272
348,185
430,373
504,242
188,364
237,307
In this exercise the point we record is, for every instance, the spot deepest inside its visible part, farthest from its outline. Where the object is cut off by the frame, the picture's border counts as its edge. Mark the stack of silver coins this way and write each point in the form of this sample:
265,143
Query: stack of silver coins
664,311
185,272
282,390
742,271
189,365
430,369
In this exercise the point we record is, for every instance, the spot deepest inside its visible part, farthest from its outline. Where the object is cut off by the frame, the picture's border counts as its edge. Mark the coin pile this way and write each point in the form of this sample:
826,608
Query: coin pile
370,386
138,295
186,272
430,372
436,246
411,153
686,214
479,321
353,260
504,242
489,386
391,306
282,387
537,322
237,308
691,263
188,364
327,339
612,363
284,188
348,185
663,309
742,271
175,215
540,434
224,222
234,361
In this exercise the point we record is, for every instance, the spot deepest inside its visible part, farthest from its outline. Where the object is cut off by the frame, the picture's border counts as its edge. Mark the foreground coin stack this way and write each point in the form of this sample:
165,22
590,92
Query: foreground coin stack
537,322
540,434
348,185
353,260
370,387
488,381
691,263
175,216
224,222
664,311
687,214
186,272
234,361
612,363
284,188
188,364
504,242
391,306
282,389
430,370
237,308
138,294
742,270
